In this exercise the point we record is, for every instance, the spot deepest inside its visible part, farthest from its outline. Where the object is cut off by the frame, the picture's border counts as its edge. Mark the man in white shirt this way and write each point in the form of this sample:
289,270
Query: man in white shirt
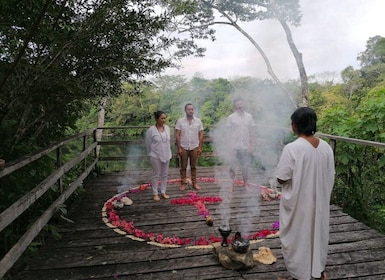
189,141
241,128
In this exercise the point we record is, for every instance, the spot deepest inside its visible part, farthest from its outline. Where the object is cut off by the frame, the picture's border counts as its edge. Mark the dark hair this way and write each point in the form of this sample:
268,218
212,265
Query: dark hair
157,114
188,104
305,120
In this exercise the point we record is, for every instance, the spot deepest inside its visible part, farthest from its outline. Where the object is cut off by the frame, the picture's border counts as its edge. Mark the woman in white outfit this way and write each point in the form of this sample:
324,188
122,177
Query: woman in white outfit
158,148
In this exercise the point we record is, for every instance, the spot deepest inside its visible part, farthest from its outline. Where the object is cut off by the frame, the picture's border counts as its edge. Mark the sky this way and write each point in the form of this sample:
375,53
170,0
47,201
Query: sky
331,35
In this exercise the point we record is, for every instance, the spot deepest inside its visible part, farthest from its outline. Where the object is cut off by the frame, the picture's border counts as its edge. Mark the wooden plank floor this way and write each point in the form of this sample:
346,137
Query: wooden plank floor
91,250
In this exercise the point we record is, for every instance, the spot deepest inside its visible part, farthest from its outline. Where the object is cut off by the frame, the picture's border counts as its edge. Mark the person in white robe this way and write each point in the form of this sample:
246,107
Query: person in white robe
306,171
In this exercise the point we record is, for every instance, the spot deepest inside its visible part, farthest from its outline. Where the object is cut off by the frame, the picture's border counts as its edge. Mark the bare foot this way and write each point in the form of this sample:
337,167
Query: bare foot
196,187
165,196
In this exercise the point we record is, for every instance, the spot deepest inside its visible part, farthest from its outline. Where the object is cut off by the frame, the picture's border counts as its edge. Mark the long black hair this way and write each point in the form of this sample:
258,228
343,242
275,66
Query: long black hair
305,120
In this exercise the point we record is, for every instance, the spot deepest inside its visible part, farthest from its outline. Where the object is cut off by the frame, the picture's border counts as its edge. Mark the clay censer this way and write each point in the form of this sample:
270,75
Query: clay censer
225,232
240,244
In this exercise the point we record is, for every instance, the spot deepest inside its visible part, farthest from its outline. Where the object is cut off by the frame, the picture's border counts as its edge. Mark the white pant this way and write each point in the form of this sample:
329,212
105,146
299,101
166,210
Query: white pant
159,173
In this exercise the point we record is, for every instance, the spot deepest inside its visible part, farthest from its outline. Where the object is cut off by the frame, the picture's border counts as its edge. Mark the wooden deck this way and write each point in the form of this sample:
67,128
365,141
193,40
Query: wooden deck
91,250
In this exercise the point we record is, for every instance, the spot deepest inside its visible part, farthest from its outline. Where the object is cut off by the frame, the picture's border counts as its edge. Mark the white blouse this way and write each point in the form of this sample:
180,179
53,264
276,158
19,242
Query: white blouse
158,143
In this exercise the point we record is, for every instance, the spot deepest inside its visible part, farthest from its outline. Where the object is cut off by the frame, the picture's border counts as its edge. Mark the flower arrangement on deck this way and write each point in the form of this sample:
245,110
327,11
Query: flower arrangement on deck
112,219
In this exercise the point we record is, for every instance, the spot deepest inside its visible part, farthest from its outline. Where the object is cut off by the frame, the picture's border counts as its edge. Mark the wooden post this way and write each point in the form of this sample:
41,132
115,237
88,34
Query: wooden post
84,148
59,162
97,147
333,144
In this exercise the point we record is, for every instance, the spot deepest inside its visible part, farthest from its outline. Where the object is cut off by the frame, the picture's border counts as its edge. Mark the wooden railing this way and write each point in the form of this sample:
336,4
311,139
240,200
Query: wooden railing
20,206
94,148
334,139
125,142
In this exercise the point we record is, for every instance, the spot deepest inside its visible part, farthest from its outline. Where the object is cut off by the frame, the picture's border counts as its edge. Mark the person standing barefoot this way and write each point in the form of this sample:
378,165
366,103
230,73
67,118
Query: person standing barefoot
189,141
241,134
159,150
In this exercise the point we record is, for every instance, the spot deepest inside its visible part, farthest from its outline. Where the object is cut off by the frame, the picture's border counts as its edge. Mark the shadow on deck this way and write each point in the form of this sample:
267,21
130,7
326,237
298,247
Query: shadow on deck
91,250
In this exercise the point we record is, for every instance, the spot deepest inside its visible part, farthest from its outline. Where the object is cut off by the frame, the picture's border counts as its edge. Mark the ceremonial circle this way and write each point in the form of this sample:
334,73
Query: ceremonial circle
112,219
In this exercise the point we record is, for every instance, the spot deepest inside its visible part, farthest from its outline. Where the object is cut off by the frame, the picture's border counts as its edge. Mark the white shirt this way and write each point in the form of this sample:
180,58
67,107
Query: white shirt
305,206
189,132
158,143
240,125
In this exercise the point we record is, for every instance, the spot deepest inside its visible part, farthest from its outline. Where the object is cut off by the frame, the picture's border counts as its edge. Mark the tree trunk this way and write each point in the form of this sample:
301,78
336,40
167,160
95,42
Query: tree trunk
299,60
267,62
255,44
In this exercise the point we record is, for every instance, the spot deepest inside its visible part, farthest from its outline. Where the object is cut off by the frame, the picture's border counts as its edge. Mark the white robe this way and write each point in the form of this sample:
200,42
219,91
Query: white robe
305,206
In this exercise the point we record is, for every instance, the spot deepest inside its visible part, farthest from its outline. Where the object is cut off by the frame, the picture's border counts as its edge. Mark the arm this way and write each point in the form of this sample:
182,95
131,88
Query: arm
252,139
200,135
147,140
227,134
177,140
285,166
281,181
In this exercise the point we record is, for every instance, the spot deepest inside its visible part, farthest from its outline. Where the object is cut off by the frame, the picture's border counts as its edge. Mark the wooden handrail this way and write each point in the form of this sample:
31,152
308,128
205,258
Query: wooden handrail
21,205
352,140
16,209
23,161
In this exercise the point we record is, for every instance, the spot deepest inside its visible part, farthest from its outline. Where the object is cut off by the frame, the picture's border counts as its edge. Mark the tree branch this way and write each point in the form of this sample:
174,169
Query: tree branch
30,34
204,26
256,45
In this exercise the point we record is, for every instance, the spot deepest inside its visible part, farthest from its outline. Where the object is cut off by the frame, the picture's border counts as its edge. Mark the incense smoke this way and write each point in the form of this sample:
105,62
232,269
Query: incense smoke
271,111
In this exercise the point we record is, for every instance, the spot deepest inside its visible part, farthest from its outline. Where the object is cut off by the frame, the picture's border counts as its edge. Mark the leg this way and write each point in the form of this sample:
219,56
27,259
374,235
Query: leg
163,178
245,160
233,155
236,162
193,165
183,166
232,173
156,168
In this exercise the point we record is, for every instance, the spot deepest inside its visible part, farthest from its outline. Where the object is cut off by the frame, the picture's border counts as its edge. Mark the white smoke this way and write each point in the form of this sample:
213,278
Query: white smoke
128,182
271,111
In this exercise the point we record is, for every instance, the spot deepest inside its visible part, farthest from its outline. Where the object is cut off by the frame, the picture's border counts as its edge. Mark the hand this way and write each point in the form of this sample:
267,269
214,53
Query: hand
199,152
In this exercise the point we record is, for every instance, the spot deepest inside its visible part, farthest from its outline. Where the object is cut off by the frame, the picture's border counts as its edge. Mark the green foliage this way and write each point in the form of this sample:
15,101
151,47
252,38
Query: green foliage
374,53
57,57
355,109
373,74
378,216
359,169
